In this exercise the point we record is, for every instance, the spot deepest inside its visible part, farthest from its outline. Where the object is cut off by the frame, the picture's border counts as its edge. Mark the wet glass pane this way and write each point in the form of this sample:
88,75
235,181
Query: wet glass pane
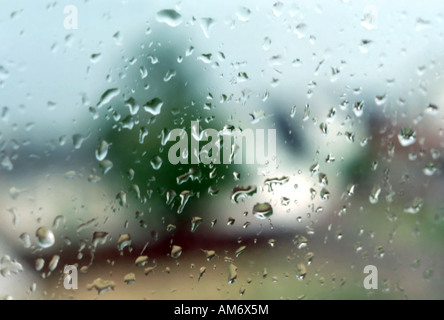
221,150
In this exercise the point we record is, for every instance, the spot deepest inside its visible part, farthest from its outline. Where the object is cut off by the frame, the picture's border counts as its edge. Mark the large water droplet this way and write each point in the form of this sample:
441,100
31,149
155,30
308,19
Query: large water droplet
77,140
374,194
301,271
107,96
26,238
407,137
429,169
129,278
358,108
106,165
240,192
240,250
101,286
270,182
209,254
278,8
45,237
206,24
156,162
99,237
141,261
184,197
176,251
121,198
9,266
123,241
169,75
54,262
153,106
262,210
102,150
232,273
243,14
415,206
39,264
193,174
170,17
195,223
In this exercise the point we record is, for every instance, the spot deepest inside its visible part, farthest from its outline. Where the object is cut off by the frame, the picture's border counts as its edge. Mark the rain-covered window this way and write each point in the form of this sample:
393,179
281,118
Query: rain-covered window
221,149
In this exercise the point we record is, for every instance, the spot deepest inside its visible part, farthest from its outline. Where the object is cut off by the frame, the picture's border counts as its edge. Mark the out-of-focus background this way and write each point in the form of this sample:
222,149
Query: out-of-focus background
90,91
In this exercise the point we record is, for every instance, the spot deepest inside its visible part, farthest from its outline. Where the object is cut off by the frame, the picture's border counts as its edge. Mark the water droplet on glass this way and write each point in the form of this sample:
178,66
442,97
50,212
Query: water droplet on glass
195,223
270,182
121,198
101,286
95,57
143,132
201,272
278,7
149,270
123,241
169,75
93,178
323,180
428,273
374,194
176,251
358,108
99,237
324,194
262,210
370,18
324,128
301,271
232,273
153,106
129,278
77,140
243,14
206,24
45,237
9,266
407,137
143,72
429,169
209,254
432,109
102,150
241,192
26,238
350,189
156,162
39,264
239,251
266,44
184,197
52,265
141,261
415,206
107,96
170,17
106,165
213,191
189,51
